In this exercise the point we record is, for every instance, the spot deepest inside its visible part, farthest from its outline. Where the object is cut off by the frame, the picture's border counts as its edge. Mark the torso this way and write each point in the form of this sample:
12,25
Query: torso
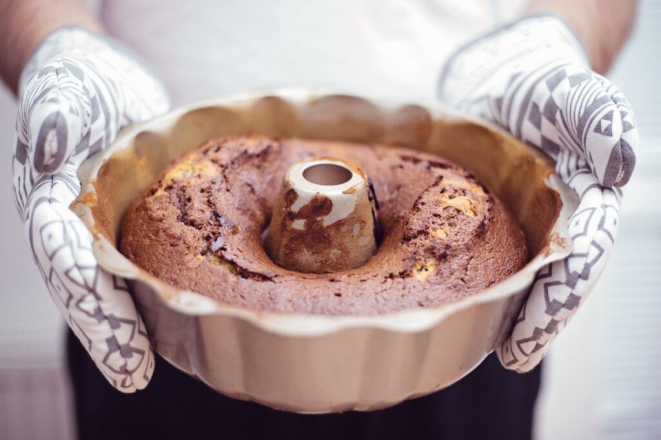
205,48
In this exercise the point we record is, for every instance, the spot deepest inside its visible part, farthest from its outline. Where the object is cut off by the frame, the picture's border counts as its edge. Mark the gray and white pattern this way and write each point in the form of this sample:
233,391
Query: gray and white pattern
531,77
77,91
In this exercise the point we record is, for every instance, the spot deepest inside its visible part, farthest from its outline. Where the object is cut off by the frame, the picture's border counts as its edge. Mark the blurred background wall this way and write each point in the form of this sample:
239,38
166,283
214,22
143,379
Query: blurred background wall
602,378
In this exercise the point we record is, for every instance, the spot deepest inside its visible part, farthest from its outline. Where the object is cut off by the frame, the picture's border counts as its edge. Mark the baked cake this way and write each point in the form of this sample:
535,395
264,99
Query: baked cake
201,227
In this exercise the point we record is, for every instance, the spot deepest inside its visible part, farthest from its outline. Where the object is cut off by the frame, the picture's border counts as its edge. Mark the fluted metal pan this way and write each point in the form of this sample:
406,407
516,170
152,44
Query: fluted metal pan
313,363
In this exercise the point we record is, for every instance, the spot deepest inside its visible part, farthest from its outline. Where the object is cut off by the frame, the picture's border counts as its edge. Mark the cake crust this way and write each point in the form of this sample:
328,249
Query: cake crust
200,227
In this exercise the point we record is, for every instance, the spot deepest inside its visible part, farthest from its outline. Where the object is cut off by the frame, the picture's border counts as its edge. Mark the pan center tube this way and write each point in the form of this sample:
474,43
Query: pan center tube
325,217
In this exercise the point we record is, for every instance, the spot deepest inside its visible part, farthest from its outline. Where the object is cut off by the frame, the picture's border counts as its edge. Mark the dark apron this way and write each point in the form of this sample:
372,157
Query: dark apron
490,403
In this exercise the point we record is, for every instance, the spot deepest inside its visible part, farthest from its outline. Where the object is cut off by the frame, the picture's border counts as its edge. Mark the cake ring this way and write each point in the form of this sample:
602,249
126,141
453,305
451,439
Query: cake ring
438,235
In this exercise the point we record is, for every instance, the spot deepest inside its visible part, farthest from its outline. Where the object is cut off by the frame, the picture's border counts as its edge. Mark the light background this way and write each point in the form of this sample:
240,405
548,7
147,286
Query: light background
602,377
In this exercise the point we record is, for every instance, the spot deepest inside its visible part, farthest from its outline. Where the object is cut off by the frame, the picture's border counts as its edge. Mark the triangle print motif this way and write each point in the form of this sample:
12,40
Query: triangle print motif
627,124
605,125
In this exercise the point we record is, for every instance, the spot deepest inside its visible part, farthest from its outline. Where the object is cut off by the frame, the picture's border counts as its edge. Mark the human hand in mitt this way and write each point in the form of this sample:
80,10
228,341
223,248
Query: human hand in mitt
76,92
533,78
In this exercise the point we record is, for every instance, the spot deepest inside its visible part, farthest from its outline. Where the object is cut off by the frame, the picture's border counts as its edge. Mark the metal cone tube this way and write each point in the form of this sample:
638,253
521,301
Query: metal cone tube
325,218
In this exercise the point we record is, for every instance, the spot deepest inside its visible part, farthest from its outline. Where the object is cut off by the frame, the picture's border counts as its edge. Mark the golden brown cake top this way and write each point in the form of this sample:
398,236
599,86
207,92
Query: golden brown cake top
200,227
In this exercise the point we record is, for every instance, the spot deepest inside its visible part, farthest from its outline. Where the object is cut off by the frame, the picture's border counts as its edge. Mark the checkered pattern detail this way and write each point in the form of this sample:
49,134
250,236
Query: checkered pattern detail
531,77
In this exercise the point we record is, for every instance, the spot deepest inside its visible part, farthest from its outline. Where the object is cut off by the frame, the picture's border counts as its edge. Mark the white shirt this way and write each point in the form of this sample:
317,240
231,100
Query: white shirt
206,48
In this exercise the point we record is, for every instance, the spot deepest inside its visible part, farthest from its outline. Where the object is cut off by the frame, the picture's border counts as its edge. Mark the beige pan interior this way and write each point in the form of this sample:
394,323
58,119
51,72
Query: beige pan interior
310,363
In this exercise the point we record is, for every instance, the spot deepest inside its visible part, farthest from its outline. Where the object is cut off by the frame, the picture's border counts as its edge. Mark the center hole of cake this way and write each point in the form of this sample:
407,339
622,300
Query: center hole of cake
327,174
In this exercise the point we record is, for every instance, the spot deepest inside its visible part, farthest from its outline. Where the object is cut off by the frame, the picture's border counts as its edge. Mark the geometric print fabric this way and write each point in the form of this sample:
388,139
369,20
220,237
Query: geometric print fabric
531,77
77,91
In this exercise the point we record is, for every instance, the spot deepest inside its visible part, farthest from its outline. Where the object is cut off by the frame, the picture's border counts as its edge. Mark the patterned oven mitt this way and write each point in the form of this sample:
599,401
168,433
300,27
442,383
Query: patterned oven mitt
76,92
532,77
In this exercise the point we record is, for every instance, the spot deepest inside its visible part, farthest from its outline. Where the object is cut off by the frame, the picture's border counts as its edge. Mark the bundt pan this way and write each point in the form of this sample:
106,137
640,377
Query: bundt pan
312,363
